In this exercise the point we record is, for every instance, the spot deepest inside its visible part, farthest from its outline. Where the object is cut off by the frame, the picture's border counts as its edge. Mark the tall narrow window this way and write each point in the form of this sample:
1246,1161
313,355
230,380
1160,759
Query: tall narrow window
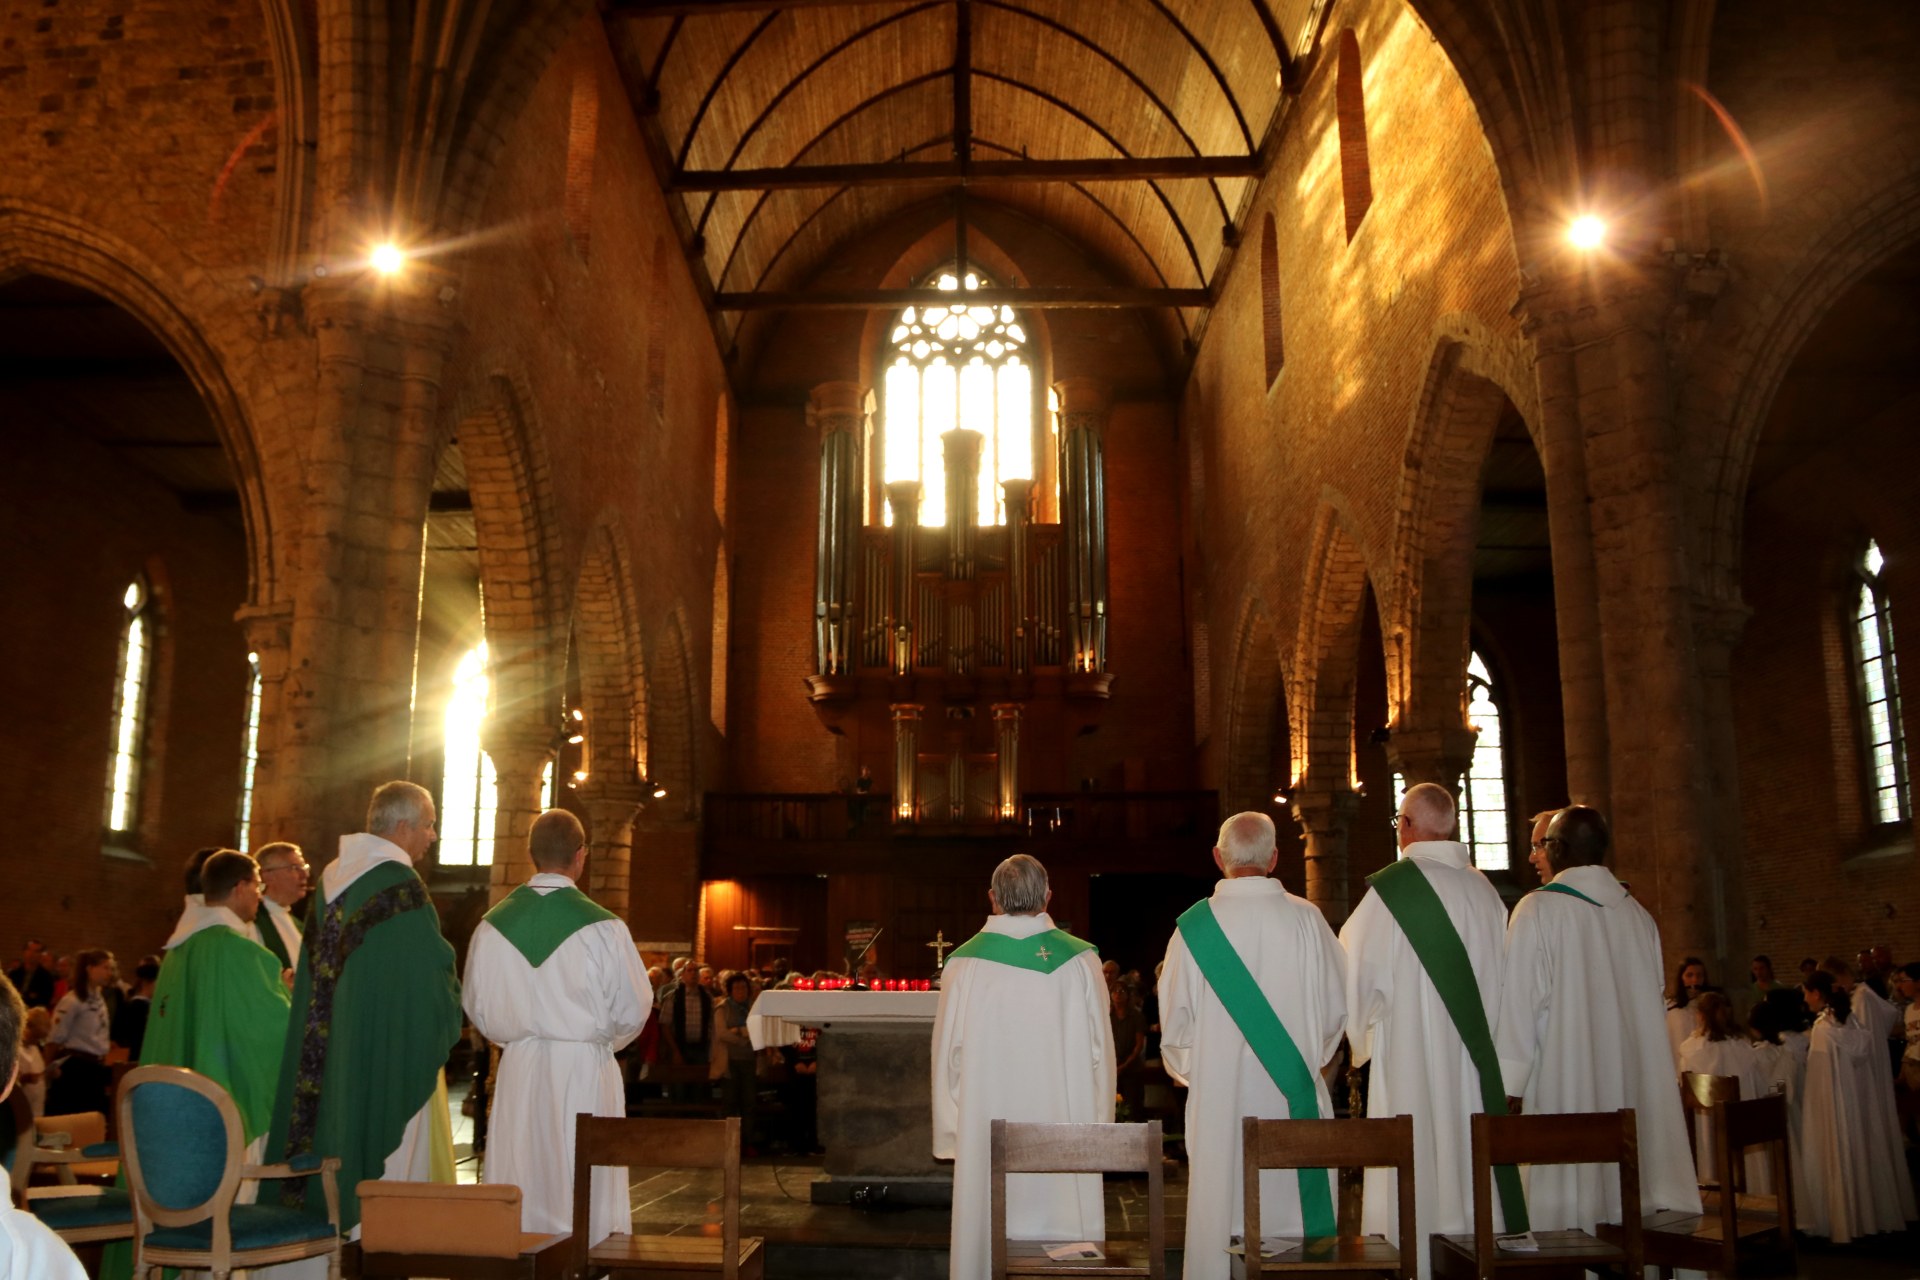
958,366
130,710
1270,299
1350,112
249,753
1880,730
469,791
1483,793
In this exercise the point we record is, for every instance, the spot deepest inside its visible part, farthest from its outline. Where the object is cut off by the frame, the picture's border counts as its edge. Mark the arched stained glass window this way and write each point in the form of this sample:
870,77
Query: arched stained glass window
1881,731
249,753
1483,792
130,710
958,366
469,791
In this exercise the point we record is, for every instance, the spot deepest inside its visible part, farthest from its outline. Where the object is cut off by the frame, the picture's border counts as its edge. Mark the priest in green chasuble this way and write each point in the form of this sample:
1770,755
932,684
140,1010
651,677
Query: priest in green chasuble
1021,1034
376,1009
555,978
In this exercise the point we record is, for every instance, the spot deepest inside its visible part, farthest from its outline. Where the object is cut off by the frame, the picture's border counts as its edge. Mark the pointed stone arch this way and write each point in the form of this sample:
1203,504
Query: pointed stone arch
1326,650
1258,759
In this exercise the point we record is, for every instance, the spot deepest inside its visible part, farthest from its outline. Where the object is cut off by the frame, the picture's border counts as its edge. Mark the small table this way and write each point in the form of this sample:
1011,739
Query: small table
875,1088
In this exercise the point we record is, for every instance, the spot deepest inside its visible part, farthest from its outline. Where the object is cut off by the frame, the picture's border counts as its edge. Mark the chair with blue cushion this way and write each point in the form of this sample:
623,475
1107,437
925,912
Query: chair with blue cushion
184,1152
79,1213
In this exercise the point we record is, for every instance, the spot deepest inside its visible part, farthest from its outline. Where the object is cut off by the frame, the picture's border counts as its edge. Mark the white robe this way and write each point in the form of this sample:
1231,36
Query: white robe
1396,1019
1850,1188
29,1249
1737,1059
1013,1044
283,923
195,915
560,1024
1289,948
1784,1068
1885,1150
1582,1029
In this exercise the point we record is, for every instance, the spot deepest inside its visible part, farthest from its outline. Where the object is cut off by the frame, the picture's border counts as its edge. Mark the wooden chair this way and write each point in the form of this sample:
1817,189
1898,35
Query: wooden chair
1592,1138
184,1150
79,1213
458,1232
1077,1148
1699,1095
677,1144
1737,1234
75,1147
1329,1144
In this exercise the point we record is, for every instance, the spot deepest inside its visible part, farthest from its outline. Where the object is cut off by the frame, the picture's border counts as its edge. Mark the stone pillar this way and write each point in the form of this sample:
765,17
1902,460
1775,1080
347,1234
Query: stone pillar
906,760
611,809
904,495
1083,511
1006,726
1436,754
835,411
520,753
1325,816
1718,625
269,633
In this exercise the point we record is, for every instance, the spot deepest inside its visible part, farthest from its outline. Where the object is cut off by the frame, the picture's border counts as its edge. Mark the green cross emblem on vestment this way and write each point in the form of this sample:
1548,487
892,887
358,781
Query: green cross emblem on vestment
1044,954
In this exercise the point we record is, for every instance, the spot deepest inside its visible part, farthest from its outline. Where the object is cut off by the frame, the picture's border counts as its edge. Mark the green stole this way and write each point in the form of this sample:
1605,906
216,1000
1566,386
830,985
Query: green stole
1251,1012
1410,898
537,923
270,936
1570,891
1042,953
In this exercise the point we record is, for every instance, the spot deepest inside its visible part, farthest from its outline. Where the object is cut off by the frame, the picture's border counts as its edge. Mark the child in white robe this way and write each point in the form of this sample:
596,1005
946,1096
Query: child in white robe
1847,1191
1782,1054
1716,1049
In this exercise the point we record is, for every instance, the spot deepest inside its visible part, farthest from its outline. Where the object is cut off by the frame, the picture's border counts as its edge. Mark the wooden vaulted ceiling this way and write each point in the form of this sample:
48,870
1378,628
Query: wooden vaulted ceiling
785,128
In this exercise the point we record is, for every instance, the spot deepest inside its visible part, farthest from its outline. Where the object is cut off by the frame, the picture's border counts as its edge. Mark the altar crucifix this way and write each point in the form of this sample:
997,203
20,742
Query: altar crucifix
940,947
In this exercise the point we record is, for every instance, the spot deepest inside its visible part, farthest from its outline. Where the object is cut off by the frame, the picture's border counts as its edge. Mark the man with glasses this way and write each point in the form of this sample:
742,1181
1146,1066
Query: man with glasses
283,872
1537,845
1582,1027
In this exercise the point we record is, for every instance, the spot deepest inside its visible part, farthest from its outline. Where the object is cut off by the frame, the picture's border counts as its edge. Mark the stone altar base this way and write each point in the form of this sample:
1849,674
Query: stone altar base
876,1119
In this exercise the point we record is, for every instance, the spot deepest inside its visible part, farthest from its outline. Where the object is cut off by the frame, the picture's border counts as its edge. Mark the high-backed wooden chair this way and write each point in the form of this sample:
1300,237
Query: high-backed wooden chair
463,1232
80,1213
1699,1095
1738,1234
1329,1144
75,1146
1590,1138
674,1144
1077,1148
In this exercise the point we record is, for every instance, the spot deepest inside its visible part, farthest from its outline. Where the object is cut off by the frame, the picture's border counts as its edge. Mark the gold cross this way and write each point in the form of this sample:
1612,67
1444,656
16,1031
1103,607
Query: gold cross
940,947
1043,953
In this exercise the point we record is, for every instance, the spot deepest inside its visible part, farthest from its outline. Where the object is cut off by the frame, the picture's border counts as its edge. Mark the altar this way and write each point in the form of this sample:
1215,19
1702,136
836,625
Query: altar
875,1090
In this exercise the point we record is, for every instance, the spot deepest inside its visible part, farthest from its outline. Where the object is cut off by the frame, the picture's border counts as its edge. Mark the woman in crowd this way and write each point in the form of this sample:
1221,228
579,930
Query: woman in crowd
1716,1048
730,1030
1845,1191
79,1041
1688,985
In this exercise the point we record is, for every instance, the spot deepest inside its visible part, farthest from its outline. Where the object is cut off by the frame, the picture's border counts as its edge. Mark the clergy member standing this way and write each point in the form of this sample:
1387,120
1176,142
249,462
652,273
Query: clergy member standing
1423,987
1252,1008
193,911
283,880
1583,1028
1021,1034
376,1008
554,977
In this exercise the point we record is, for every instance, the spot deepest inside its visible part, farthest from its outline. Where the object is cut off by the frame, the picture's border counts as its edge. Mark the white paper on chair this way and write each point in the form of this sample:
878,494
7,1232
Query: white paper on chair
1079,1251
1520,1242
1270,1247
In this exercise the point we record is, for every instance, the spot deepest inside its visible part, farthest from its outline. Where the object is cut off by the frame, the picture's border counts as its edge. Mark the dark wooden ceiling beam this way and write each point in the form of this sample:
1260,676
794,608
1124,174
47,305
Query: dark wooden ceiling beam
929,172
1037,299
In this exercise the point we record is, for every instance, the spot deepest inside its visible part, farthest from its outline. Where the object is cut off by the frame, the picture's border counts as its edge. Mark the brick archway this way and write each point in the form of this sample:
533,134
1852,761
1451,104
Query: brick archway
1427,614
38,240
1257,762
518,535
606,636
671,718
1327,652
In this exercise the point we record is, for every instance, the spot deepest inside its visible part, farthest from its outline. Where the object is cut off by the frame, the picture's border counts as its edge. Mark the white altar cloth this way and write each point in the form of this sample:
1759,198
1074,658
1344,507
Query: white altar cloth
778,1017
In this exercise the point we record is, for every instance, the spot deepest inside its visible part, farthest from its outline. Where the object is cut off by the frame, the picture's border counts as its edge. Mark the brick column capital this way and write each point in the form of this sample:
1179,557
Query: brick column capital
836,406
1432,753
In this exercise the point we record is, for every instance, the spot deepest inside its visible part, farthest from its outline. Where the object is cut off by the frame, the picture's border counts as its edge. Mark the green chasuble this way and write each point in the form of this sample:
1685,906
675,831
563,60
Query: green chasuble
376,1008
537,923
221,1009
1043,952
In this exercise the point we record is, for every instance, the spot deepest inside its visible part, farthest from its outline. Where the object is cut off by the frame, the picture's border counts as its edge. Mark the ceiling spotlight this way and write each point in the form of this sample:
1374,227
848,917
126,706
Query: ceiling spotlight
578,714
577,739
1587,232
659,792
387,258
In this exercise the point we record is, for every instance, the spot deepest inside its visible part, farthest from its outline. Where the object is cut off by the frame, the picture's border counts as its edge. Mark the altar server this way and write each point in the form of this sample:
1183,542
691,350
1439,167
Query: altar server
1582,1028
1021,1034
1252,1008
1715,1047
1855,1181
555,978
1423,985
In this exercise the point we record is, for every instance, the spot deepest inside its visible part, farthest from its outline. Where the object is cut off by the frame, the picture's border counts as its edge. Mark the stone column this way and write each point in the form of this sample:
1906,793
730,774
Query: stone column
1439,753
835,411
520,753
1006,726
906,760
269,633
1718,625
1084,404
1325,816
611,809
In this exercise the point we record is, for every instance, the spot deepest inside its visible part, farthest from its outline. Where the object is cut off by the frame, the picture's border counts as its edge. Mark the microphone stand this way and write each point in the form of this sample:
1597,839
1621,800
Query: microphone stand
853,966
